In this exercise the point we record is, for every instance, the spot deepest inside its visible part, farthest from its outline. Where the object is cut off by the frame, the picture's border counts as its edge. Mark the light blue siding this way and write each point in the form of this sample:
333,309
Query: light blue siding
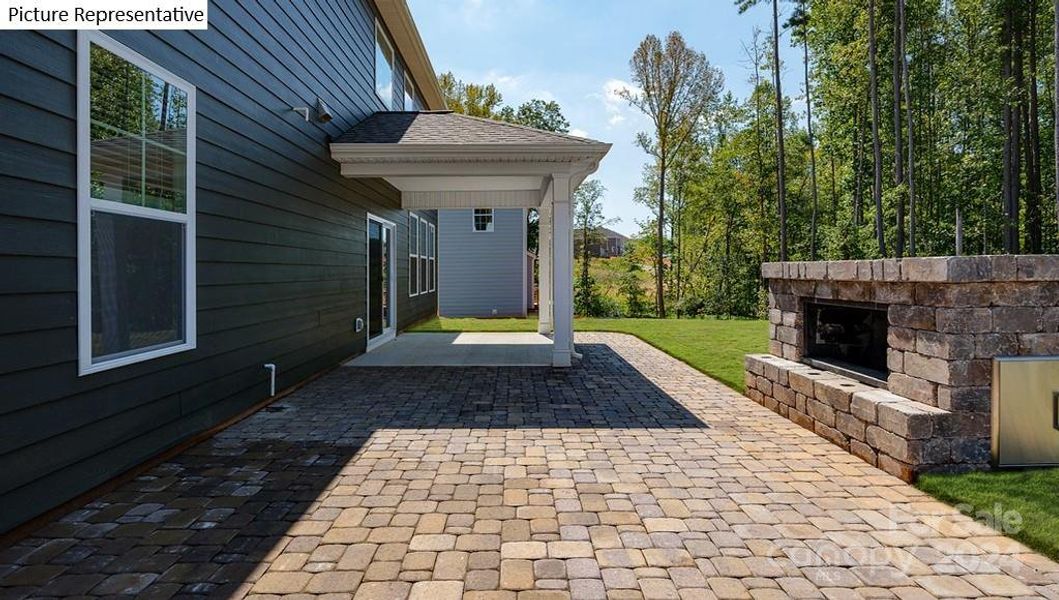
480,274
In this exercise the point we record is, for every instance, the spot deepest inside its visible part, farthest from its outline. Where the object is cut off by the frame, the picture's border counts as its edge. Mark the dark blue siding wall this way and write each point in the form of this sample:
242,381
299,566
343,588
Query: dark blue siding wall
281,239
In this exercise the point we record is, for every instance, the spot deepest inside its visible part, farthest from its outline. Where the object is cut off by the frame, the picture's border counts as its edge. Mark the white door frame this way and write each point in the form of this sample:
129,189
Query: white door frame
389,330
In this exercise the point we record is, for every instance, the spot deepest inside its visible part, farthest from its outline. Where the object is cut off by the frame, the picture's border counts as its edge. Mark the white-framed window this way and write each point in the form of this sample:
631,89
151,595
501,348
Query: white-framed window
135,207
409,93
384,61
413,255
432,251
483,219
424,283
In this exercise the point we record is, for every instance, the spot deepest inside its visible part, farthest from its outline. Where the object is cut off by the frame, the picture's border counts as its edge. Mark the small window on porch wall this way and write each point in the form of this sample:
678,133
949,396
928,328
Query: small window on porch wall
413,255
483,219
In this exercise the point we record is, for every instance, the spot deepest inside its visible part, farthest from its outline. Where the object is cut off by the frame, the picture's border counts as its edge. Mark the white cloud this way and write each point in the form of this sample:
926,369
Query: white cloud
579,132
615,107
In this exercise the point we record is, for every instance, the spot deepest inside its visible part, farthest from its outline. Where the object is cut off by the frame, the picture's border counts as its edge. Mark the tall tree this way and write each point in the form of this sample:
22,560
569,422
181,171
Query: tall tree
472,99
799,21
588,219
541,114
1031,119
909,123
873,75
898,84
677,85
1011,72
781,155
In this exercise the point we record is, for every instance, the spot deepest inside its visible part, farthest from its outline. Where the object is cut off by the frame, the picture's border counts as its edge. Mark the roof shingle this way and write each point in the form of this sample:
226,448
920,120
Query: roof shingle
446,127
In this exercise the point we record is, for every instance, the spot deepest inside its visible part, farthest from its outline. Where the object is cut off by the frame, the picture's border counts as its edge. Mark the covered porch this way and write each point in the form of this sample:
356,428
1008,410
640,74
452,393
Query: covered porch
442,160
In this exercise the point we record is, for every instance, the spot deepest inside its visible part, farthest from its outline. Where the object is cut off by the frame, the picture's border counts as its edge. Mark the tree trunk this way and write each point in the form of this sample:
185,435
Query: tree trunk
759,156
858,172
812,149
781,184
660,301
873,73
1033,141
909,121
1012,64
899,167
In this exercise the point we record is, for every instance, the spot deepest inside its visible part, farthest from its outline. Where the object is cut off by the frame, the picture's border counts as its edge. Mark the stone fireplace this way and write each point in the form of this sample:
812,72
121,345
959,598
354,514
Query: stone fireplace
892,359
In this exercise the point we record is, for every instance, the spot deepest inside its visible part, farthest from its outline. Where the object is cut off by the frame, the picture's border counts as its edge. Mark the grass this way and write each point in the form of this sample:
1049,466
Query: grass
713,346
1002,497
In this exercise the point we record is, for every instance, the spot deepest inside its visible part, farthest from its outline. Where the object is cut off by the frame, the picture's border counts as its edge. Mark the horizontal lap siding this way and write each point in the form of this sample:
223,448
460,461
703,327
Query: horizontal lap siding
281,241
481,272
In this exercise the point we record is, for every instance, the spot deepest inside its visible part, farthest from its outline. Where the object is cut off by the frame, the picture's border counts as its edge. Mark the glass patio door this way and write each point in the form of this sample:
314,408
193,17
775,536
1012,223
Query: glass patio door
382,318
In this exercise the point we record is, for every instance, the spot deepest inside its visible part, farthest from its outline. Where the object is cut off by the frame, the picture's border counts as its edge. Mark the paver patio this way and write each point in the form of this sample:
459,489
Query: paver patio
631,476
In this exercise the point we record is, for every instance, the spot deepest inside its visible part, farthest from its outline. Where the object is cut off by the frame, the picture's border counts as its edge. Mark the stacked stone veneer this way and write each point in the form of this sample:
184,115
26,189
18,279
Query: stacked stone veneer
948,318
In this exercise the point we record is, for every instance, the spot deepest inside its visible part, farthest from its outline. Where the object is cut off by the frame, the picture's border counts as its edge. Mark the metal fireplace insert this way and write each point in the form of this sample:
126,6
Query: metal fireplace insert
847,338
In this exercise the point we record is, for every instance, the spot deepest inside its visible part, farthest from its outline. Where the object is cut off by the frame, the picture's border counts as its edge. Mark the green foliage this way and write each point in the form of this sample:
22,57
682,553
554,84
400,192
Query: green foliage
470,98
632,292
537,113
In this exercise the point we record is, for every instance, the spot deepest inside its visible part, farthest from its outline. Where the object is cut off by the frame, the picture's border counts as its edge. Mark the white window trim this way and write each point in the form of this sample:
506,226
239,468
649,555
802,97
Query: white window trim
413,274
86,205
380,32
492,220
424,234
432,257
409,92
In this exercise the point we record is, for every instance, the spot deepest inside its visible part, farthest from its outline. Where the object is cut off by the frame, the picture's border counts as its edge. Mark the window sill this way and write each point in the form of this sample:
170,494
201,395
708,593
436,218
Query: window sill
87,367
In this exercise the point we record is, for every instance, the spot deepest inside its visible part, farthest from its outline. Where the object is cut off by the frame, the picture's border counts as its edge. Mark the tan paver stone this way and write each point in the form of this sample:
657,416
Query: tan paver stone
433,542
278,583
728,588
570,549
436,590
516,574
947,586
334,582
385,590
524,550
999,585
450,565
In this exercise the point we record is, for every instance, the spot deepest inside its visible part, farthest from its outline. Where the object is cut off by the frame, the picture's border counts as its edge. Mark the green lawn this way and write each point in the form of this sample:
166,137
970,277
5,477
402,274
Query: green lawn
713,346
1030,495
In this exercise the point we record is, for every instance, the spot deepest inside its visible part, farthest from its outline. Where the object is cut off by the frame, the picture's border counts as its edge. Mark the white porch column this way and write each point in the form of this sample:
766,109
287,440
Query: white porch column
562,272
544,294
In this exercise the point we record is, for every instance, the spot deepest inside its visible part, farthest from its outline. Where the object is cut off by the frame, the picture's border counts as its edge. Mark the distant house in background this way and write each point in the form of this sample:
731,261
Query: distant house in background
484,269
607,244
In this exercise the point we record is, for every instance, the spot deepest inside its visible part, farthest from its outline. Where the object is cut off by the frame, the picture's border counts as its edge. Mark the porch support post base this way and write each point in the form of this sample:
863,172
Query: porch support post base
544,298
563,270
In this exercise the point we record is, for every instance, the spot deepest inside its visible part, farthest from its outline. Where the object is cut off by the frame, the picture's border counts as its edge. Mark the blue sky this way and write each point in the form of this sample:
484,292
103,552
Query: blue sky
576,52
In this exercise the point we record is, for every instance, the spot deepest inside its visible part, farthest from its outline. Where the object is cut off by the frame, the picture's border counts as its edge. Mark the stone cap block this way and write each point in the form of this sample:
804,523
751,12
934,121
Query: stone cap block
934,269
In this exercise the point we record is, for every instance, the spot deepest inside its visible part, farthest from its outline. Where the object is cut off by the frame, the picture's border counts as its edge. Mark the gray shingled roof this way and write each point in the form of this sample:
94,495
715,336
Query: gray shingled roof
446,127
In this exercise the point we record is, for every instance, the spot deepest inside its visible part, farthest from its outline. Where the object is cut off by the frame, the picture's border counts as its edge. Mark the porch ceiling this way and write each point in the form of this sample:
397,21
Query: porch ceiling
440,159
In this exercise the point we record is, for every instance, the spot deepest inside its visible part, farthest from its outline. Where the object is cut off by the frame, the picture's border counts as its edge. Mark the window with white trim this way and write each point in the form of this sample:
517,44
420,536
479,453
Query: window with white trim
384,56
432,249
135,207
409,93
424,284
413,255
483,219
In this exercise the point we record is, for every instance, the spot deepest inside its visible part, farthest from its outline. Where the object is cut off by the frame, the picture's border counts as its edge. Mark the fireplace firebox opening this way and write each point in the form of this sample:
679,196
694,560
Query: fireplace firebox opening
847,338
